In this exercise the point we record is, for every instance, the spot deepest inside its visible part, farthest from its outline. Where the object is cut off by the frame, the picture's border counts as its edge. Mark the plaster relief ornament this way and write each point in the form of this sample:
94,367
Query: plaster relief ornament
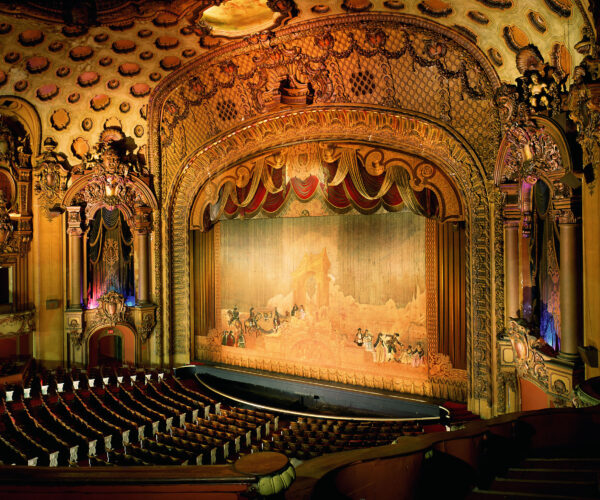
6,226
111,309
51,176
113,171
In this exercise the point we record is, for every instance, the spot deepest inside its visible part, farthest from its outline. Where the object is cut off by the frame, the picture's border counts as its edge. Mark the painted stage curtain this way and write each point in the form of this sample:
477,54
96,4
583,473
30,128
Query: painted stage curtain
110,256
204,281
452,339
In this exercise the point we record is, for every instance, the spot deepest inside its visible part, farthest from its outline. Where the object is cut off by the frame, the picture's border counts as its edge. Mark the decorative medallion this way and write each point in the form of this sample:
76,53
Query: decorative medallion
146,55
478,17
515,38
155,76
561,59
124,107
394,4
497,4
12,57
60,119
167,42
74,97
188,53
47,92
495,56
357,5
320,9
87,124
138,131
112,122
99,102
537,21
37,64
186,30
165,19
435,8
101,37
144,33
560,7
21,85
113,84
74,30
5,28
63,71
129,69
29,38
81,53
88,79
105,61
140,89
170,63
80,147
122,26
56,46
123,46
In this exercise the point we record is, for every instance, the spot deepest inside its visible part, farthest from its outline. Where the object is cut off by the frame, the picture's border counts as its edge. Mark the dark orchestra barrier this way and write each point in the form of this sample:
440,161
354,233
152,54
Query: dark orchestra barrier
449,464
288,395
258,474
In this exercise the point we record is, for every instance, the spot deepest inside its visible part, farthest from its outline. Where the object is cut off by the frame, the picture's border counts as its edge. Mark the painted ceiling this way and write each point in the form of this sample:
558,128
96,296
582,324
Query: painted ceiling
91,64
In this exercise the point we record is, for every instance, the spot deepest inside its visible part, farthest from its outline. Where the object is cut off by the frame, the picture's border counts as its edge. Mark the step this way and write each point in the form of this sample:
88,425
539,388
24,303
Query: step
580,463
581,489
556,474
478,494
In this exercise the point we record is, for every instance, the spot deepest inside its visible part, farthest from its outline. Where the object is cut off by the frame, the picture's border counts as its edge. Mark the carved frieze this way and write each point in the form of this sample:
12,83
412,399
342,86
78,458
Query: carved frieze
19,323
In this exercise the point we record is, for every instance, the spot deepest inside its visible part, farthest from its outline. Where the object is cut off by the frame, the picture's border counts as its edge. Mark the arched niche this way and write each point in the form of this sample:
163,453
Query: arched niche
111,183
19,147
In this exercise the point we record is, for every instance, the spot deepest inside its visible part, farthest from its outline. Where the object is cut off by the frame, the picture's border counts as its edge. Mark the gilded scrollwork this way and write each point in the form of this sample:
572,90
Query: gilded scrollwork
51,176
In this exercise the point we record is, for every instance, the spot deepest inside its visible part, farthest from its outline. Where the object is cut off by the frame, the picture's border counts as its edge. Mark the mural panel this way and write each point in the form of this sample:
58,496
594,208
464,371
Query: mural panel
345,292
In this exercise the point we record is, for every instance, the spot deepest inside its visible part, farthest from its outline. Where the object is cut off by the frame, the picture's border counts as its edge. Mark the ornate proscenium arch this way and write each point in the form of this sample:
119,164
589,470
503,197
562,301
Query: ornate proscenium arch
193,139
385,130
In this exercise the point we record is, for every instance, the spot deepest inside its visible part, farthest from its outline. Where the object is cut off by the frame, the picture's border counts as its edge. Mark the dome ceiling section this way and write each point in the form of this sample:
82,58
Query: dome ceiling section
95,73
499,27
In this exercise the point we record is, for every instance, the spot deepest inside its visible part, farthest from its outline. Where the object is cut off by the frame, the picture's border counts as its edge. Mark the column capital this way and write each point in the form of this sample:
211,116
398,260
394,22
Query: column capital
74,220
143,219
567,216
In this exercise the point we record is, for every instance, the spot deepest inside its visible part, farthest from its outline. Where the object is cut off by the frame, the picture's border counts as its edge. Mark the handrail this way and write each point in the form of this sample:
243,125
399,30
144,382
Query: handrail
311,475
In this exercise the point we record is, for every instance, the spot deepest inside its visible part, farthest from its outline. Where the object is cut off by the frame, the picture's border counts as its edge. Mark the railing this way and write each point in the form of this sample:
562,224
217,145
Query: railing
445,464
255,474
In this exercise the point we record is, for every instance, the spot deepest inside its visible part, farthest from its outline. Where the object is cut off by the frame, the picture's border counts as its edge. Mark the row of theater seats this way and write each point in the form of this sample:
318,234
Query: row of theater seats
311,437
107,417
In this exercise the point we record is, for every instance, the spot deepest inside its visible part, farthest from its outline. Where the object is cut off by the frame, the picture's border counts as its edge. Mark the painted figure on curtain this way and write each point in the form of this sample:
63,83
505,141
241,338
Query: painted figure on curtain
341,291
110,257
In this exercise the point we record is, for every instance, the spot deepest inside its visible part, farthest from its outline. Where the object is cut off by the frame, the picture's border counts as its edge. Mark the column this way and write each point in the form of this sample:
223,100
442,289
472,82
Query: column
143,227
75,232
569,285
511,269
